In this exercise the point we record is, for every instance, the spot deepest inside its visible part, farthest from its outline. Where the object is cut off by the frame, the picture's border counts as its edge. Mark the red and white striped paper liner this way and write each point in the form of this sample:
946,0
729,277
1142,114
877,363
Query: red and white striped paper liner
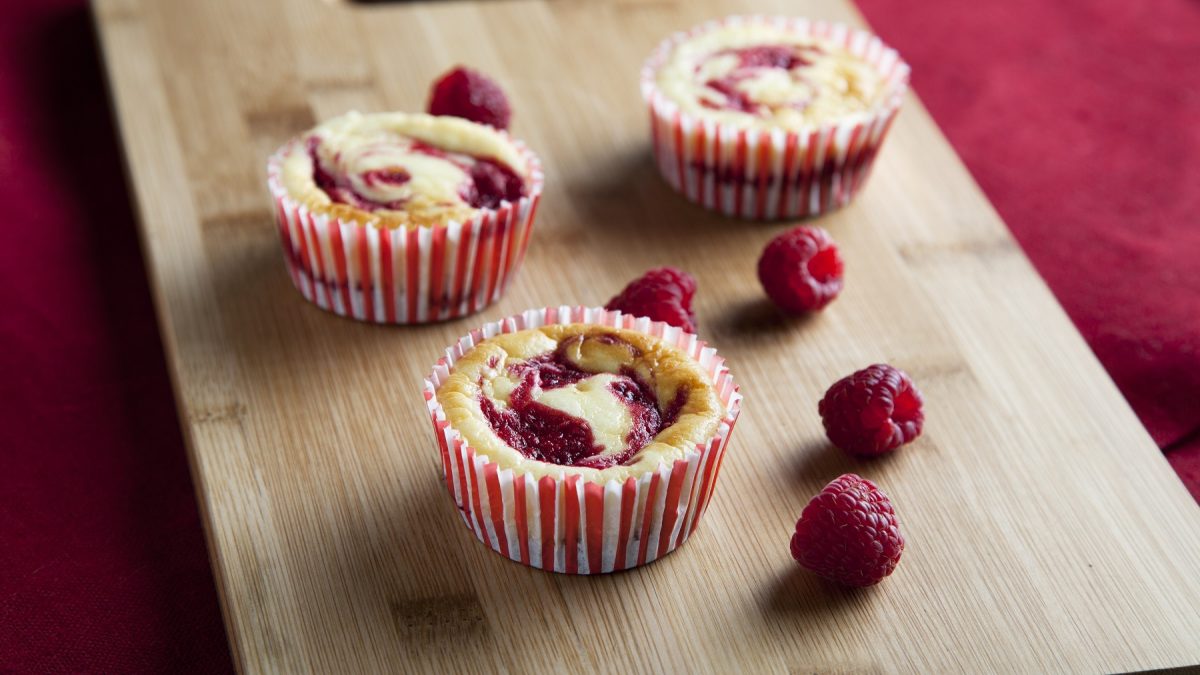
772,174
566,523
404,275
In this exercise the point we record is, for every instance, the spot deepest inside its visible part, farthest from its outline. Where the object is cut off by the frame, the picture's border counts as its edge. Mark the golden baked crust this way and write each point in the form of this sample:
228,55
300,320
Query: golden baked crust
359,143
666,369
827,83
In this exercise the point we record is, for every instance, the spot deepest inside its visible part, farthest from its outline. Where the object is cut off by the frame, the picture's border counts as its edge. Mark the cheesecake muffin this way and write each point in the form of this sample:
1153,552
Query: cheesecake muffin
581,441
771,117
403,218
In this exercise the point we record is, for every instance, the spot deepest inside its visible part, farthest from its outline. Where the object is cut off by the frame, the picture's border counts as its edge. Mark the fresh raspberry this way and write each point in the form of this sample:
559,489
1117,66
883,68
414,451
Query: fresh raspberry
849,533
801,269
470,94
663,294
873,411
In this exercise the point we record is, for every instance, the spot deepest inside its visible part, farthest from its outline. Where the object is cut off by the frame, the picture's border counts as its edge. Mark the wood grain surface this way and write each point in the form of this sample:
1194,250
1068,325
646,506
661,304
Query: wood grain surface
1045,530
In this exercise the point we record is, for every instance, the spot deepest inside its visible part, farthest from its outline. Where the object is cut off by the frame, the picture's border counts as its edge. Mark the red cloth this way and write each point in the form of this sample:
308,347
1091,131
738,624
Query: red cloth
103,566
1077,118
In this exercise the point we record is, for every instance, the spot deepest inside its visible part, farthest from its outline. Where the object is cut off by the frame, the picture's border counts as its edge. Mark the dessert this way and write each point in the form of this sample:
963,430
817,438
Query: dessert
873,411
771,117
849,533
581,440
801,269
663,294
403,218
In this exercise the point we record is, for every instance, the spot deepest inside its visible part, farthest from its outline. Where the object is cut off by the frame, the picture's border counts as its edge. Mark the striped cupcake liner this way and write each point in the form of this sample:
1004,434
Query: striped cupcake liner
775,174
566,523
403,275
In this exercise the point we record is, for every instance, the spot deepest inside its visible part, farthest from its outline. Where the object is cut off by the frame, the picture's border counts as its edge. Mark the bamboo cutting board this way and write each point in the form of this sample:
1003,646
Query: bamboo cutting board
1045,531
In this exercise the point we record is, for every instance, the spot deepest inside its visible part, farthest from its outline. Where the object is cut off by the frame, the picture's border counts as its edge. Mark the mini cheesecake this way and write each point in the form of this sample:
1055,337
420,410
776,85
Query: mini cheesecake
581,440
767,76
768,117
403,218
603,403
404,170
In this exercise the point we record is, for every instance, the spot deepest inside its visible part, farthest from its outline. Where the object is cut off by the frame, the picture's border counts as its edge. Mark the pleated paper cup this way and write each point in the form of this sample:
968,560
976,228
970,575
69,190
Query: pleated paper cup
778,173
566,523
404,275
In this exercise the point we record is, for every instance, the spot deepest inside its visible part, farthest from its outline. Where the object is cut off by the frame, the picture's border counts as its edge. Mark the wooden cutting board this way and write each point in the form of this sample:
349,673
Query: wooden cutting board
1045,530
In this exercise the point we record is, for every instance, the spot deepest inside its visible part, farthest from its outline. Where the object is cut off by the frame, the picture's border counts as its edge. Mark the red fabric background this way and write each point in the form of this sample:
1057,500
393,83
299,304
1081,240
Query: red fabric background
1078,119
103,566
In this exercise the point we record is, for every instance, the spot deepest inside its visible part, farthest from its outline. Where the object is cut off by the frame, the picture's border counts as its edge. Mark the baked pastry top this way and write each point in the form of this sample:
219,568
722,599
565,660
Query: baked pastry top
766,75
403,170
602,402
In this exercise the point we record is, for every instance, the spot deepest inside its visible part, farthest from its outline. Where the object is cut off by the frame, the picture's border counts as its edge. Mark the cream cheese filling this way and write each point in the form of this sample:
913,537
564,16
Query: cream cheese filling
591,399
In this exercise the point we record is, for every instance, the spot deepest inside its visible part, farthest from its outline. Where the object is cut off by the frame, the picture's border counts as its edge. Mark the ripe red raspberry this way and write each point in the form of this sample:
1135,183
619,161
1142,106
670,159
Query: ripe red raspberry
873,411
849,533
801,269
470,94
663,294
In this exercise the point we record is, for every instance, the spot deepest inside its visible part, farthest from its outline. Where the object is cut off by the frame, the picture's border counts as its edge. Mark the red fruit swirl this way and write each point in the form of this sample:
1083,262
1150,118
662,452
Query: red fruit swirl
546,434
488,181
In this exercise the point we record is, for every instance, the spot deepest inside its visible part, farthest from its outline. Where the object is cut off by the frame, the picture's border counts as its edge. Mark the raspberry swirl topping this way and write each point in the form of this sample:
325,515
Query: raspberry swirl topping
757,80
391,174
764,74
405,169
553,411
607,403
